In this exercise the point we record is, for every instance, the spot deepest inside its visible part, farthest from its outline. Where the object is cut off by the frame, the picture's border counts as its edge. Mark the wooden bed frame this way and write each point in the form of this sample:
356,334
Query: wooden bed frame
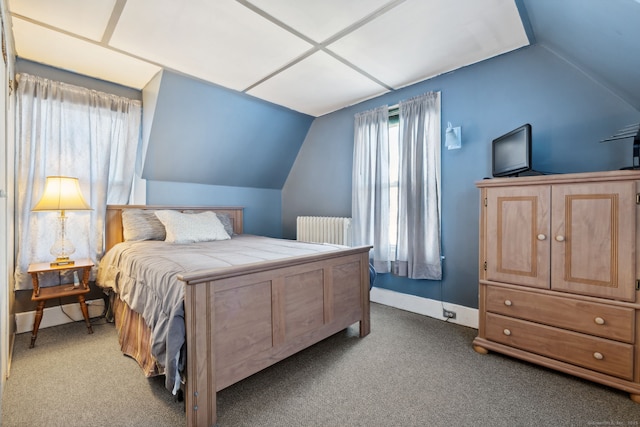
242,319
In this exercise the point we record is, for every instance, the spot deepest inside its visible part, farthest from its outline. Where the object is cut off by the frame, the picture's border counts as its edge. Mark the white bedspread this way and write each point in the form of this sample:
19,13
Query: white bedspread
144,275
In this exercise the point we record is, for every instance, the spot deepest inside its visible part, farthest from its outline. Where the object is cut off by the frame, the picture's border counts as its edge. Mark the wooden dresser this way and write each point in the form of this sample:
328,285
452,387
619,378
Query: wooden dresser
559,273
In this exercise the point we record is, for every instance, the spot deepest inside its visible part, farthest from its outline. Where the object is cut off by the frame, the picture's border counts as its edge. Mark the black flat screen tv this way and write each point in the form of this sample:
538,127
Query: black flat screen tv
511,152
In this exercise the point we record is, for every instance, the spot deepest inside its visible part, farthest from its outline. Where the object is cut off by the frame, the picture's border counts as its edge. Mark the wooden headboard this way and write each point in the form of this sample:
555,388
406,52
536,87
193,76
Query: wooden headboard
113,224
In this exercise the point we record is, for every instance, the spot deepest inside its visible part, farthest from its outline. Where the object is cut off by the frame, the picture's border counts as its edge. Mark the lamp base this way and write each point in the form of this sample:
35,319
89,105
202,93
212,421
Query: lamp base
61,261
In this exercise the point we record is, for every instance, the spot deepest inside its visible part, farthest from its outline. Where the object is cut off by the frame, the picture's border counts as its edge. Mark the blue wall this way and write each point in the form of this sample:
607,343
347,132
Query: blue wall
207,134
262,207
569,112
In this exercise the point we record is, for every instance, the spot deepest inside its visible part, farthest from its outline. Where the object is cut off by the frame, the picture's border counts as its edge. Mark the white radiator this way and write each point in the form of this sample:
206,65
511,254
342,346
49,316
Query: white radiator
324,229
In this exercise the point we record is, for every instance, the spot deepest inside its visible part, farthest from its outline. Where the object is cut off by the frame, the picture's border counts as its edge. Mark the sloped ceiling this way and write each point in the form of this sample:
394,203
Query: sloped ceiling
601,37
310,56
208,134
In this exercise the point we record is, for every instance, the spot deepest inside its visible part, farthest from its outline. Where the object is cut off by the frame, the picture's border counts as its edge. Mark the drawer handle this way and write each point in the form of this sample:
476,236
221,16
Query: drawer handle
508,302
598,355
599,320
560,238
507,332
541,236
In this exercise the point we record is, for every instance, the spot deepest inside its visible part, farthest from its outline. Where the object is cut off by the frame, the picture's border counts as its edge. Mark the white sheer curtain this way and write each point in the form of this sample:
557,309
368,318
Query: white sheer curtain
418,246
67,130
370,198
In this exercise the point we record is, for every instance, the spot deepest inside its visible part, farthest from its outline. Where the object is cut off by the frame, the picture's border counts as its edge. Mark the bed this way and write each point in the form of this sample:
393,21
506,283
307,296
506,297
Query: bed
236,319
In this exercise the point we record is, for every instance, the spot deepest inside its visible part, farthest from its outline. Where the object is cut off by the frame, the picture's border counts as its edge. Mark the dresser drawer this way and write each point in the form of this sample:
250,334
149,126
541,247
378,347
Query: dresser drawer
603,320
599,354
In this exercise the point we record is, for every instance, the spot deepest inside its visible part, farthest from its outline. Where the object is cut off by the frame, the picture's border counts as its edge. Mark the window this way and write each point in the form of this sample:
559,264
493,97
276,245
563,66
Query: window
396,186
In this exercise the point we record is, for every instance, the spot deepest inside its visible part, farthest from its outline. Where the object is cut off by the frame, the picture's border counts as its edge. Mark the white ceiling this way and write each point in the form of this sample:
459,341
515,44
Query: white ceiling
311,56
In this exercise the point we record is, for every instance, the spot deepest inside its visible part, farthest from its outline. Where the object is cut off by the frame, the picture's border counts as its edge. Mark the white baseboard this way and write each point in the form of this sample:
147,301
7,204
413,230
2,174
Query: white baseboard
465,316
54,316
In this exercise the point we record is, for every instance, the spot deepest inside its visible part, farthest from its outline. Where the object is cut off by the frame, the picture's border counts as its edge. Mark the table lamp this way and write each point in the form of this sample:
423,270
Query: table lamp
62,193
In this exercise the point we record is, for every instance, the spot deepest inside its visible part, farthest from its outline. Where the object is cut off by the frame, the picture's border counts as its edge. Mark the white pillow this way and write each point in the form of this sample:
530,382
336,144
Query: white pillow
190,228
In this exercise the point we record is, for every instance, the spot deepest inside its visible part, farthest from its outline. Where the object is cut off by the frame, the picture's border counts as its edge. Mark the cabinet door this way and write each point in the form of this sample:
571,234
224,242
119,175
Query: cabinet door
517,232
593,244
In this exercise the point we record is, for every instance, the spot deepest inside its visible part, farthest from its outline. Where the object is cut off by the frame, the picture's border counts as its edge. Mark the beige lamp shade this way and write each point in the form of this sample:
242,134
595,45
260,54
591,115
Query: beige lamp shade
61,193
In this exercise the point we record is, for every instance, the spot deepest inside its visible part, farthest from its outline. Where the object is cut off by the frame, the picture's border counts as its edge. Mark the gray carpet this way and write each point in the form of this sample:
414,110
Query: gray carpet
411,371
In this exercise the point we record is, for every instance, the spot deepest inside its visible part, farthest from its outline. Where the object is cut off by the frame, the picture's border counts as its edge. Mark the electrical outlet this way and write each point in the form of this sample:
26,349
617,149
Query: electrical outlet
448,314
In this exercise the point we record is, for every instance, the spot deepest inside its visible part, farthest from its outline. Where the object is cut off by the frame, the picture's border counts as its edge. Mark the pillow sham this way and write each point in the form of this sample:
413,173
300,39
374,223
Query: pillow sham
141,224
224,218
191,228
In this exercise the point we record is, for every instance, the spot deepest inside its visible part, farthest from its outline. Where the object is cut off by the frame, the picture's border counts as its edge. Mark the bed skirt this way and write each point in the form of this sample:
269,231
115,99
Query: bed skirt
135,337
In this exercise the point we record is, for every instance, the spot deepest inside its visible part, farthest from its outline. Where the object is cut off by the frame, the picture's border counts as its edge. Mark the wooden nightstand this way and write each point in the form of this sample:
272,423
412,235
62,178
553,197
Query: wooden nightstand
65,290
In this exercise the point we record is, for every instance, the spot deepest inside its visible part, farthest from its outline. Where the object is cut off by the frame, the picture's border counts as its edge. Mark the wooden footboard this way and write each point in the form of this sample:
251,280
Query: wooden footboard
240,320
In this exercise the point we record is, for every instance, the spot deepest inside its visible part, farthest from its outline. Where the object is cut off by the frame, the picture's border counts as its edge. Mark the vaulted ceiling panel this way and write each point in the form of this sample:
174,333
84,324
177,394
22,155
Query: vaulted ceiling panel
320,20
40,44
318,84
218,41
63,15
421,39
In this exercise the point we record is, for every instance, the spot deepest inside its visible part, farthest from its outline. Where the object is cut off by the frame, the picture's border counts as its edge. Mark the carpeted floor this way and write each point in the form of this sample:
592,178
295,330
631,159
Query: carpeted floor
411,371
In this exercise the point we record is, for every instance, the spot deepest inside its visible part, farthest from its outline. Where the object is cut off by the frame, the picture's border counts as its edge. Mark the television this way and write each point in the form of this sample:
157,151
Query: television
511,152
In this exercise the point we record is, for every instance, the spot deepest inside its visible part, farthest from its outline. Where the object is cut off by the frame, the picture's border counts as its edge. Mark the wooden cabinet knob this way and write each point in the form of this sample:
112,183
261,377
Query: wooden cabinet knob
507,332
541,236
598,355
508,302
599,320
560,238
